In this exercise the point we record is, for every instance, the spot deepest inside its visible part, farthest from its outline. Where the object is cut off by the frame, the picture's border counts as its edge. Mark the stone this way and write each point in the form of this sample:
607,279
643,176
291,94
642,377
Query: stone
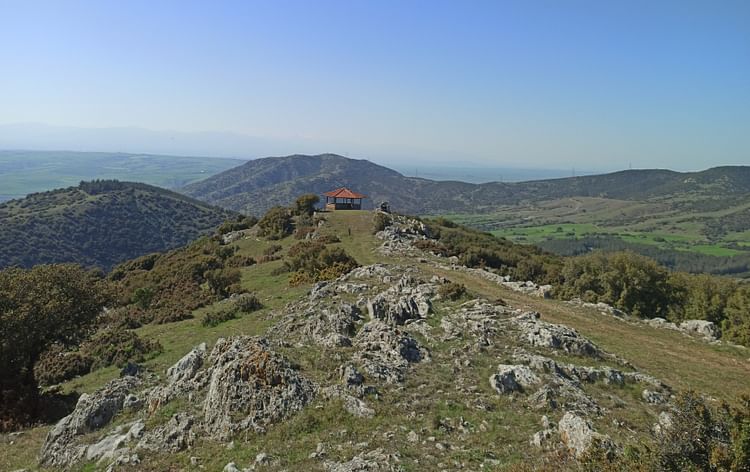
231,467
110,445
704,328
372,461
92,412
174,436
251,387
513,378
351,376
188,366
554,336
130,369
385,352
655,398
578,435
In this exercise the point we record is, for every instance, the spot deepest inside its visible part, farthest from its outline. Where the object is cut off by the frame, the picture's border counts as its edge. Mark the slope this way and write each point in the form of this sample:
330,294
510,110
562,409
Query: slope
100,224
415,394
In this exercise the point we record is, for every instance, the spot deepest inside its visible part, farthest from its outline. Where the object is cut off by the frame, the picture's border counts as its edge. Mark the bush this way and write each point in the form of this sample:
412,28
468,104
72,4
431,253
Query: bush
275,224
313,261
215,318
380,221
242,222
328,239
224,282
247,303
432,246
451,291
57,365
305,204
117,346
625,280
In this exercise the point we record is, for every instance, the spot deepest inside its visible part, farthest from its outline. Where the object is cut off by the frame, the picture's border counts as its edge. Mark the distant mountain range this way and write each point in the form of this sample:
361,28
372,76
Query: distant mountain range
257,185
100,224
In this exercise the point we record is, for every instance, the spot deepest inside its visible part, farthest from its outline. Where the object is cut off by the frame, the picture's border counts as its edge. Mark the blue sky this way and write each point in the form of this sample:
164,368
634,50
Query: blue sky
597,84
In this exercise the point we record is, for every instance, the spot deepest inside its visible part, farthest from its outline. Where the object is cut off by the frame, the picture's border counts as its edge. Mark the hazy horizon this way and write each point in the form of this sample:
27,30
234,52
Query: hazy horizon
546,85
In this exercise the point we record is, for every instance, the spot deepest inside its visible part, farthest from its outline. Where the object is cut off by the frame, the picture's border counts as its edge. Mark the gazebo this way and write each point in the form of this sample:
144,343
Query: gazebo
343,199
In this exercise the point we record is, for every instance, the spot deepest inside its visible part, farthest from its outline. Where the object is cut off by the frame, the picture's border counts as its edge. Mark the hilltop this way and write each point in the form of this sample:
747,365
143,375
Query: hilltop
100,224
691,221
415,360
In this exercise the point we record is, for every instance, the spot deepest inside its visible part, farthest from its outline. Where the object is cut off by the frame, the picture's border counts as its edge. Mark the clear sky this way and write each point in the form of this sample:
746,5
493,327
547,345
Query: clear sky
527,83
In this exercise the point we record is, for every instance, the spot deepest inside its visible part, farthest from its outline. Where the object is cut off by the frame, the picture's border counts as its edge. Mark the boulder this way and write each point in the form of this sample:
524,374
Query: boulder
188,366
385,352
704,328
579,437
554,336
372,461
513,378
176,435
113,445
251,387
92,412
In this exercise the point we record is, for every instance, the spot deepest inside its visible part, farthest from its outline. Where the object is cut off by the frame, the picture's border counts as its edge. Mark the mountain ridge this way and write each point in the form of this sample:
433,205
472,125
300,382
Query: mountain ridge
256,185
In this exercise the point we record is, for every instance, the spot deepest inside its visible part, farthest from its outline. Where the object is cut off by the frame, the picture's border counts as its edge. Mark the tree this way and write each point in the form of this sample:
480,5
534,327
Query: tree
305,204
39,307
736,325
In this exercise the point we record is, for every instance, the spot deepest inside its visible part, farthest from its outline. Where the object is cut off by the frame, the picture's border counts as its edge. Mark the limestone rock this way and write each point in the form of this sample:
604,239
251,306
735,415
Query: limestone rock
513,378
251,387
385,352
372,461
92,412
177,435
554,336
704,328
578,435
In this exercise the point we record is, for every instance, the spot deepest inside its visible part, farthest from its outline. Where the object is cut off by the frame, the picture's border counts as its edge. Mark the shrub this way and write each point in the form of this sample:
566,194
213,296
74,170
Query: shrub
240,261
57,365
380,221
247,303
275,224
242,222
215,318
224,282
313,261
451,291
142,297
305,204
117,346
328,239
432,246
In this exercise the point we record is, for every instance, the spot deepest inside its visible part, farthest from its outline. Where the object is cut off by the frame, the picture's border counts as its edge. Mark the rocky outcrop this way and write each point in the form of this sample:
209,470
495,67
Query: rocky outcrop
250,388
579,437
704,328
513,378
177,435
92,412
385,352
542,334
372,461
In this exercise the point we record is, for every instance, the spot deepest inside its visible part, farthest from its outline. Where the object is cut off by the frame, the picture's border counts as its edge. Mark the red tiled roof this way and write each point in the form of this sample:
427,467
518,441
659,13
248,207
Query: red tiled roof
344,192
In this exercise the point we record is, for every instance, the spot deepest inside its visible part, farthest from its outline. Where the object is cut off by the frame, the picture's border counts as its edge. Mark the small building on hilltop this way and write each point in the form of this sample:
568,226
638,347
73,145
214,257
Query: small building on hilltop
343,199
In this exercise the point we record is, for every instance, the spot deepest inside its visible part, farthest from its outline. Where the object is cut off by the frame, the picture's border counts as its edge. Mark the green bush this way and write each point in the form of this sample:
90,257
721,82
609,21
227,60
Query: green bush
242,222
117,346
313,261
275,224
380,221
305,204
219,316
57,365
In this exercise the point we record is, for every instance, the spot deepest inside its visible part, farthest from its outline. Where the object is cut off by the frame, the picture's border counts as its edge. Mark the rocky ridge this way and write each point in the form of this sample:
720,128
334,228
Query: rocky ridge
385,332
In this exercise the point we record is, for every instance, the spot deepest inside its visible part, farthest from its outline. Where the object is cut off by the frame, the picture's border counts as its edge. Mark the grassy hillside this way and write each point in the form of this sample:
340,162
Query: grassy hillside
24,172
100,224
444,400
